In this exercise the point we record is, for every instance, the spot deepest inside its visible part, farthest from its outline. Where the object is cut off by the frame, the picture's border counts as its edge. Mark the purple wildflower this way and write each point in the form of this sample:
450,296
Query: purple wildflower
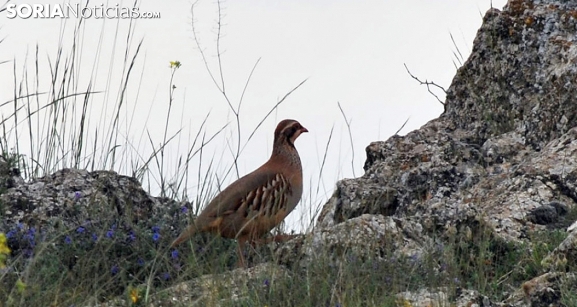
11,234
184,209
80,229
67,240
131,236
140,262
155,236
174,254
94,237
31,232
114,270
165,276
155,229
77,195
30,235
110,234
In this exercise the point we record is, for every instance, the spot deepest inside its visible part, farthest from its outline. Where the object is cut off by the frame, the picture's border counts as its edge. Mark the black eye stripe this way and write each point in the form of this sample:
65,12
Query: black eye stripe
290,130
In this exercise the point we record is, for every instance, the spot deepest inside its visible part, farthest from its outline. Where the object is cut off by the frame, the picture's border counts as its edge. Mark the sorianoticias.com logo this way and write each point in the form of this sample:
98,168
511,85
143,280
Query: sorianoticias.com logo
68,10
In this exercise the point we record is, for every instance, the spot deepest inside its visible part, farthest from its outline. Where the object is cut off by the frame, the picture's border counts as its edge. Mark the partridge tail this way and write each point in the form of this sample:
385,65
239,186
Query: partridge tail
185,235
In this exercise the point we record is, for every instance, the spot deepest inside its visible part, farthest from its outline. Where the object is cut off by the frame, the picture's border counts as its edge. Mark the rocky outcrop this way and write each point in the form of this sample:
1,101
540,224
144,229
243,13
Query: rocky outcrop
87,224
200,291
72,198
500,161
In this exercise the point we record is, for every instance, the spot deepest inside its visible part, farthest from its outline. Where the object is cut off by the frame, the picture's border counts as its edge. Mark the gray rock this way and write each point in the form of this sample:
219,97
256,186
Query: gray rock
543,290
547,214
439,298
233,285
93,222
70,197
500,159
564,255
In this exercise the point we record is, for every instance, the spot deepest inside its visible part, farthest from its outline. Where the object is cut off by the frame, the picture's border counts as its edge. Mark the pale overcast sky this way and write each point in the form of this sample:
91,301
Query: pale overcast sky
352,52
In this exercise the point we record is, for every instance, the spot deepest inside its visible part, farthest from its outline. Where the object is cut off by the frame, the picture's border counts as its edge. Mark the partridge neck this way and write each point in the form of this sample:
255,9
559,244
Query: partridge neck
286,152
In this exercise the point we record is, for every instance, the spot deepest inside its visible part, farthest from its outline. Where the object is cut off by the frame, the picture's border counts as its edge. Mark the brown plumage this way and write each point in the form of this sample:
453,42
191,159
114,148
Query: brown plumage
254,204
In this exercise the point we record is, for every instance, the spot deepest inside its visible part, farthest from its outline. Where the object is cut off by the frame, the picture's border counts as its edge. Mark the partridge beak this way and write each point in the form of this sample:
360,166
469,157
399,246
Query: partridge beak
303,129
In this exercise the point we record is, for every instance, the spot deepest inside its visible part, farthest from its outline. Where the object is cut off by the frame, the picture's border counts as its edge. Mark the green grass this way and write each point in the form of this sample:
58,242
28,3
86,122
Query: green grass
49,124
85,270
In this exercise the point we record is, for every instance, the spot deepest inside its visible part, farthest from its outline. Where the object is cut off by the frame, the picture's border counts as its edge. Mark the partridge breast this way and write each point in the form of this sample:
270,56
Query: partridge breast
270,199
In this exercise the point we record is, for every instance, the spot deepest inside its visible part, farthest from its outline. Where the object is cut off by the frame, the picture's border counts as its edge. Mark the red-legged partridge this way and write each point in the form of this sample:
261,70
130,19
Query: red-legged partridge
254,204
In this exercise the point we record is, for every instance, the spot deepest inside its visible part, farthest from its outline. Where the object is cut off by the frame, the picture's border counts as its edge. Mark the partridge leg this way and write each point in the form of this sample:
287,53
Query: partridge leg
241,262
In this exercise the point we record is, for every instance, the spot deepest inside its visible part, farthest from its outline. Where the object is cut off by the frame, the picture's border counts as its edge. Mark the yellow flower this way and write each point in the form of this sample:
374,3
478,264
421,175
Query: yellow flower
4,250
3,239
2,261
175,64
20,285
134,295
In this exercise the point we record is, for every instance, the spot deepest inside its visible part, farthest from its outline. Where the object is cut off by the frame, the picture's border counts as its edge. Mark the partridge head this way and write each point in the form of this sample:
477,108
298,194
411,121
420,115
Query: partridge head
254,204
